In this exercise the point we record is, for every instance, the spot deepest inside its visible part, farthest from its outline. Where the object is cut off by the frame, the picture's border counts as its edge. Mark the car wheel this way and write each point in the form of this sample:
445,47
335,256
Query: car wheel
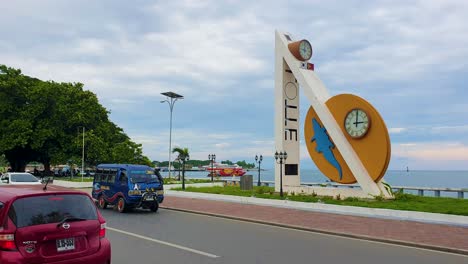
121,207
154,207
102,202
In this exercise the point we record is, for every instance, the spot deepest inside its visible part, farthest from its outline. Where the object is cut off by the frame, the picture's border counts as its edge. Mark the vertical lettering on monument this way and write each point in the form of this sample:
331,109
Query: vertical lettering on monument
291,111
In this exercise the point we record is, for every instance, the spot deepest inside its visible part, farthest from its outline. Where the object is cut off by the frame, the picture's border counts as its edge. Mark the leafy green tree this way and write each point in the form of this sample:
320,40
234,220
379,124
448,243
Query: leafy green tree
228,162
245,165
42,121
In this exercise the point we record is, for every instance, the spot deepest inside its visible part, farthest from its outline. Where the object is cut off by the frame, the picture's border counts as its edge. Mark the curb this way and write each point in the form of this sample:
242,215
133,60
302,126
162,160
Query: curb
402,215
328,232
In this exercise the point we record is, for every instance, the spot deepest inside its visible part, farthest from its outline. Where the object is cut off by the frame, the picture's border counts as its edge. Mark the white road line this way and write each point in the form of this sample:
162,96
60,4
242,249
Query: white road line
163,242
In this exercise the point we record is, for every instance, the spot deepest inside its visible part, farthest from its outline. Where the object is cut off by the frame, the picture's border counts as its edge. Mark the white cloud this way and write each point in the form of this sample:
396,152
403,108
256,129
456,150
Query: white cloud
396,130
202,142
432,151
212,51
450,129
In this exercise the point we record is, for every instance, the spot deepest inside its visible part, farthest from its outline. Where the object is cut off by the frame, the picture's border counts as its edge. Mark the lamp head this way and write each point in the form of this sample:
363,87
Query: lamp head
256,158
261,158
276,155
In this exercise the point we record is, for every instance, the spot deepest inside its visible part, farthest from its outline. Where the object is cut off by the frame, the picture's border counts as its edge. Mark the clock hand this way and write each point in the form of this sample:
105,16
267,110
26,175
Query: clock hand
357,112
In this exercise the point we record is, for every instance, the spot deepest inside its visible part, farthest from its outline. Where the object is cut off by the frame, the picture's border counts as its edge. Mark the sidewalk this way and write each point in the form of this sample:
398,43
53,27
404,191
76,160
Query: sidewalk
431,236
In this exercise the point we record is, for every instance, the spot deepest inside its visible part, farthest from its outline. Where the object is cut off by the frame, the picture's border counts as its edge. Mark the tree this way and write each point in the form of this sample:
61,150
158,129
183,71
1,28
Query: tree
41,121
246,165
183,155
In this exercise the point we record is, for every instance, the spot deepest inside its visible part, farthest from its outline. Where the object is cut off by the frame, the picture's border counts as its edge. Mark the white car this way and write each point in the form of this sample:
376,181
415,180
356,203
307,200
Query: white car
19,178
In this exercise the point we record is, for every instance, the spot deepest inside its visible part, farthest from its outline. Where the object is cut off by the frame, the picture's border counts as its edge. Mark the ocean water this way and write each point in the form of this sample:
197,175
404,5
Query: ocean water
417,178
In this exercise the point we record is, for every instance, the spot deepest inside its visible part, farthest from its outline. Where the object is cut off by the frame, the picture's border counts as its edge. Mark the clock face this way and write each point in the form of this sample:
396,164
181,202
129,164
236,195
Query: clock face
357,123
305,50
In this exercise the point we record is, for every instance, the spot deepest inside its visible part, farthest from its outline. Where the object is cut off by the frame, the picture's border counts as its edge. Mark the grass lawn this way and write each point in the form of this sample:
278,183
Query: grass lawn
402,201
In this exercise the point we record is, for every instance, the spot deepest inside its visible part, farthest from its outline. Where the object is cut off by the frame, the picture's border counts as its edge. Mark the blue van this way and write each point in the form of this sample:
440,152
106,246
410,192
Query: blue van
128,186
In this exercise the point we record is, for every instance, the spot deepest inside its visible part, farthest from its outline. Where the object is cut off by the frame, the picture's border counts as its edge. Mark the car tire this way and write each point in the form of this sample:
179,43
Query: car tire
121,206
102,202
154,207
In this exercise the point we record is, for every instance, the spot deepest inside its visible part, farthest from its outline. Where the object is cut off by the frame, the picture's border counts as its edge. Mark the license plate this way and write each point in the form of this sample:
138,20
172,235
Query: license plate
65,244
149,198
160,192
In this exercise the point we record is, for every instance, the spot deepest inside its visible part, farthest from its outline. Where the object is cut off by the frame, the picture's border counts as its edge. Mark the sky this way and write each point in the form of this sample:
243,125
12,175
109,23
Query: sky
407,58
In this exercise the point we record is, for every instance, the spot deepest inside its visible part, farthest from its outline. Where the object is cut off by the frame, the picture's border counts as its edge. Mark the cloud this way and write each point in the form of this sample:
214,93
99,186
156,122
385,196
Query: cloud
450,129
432,151
402,41
202,142
396,130
410,59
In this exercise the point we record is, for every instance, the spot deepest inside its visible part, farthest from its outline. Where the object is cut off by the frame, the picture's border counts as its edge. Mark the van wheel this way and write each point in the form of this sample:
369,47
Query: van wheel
102,202
154,207
121,207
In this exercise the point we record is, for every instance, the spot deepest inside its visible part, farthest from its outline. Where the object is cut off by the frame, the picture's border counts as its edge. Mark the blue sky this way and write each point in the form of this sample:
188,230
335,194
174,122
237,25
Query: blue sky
408,58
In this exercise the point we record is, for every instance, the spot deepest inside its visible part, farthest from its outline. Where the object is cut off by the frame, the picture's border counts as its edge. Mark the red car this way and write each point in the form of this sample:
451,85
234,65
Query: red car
51,225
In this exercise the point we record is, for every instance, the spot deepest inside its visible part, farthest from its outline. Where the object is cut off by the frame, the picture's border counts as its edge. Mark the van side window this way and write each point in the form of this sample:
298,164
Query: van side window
105,175
98,175
112,174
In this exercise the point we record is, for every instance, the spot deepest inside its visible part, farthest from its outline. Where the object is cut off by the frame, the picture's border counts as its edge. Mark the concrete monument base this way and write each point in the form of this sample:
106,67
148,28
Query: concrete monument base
336,193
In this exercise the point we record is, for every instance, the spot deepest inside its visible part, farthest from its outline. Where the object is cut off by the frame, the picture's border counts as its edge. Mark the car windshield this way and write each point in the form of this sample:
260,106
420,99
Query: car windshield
23,177
53,208
143,176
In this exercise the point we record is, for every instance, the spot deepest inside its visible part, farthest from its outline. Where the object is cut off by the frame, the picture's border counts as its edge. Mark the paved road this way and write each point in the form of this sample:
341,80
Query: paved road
178,237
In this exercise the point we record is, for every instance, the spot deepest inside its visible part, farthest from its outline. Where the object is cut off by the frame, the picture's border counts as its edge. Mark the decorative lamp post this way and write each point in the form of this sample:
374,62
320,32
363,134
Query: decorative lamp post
212,158
259,161
280,159
171,98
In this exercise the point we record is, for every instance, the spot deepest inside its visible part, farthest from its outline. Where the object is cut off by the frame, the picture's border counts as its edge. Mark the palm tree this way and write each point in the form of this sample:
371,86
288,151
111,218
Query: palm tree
183,155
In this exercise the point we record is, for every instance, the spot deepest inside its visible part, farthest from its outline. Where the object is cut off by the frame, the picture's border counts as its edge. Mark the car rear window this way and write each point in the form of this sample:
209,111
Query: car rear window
44,209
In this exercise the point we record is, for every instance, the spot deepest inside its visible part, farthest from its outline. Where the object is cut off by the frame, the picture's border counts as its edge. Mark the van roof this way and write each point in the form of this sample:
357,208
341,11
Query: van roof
123,166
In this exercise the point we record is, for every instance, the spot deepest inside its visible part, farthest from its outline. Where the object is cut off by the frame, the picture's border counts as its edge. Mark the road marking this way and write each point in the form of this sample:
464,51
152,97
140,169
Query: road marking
163,242
325,234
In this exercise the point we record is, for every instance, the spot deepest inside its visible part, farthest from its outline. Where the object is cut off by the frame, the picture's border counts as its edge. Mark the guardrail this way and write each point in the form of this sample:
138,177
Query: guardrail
421,190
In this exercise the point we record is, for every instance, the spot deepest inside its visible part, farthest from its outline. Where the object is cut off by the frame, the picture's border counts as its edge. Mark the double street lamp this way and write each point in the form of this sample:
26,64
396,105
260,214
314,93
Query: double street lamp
280,159
259,161
212,158
171,98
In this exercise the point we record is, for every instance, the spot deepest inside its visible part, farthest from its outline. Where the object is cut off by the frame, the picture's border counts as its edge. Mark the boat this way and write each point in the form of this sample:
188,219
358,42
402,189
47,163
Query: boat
224,170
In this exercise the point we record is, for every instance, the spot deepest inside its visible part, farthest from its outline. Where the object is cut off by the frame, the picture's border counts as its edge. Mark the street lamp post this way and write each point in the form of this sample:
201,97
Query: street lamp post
171,98
82,157
212,158
280,159
259,161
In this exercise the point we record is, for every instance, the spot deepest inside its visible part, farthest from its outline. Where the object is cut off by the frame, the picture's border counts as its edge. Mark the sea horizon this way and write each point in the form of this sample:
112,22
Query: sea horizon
411,178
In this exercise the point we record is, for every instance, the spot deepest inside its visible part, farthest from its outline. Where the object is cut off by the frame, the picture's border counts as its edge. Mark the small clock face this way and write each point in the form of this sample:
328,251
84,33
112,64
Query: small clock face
357,123
305,50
